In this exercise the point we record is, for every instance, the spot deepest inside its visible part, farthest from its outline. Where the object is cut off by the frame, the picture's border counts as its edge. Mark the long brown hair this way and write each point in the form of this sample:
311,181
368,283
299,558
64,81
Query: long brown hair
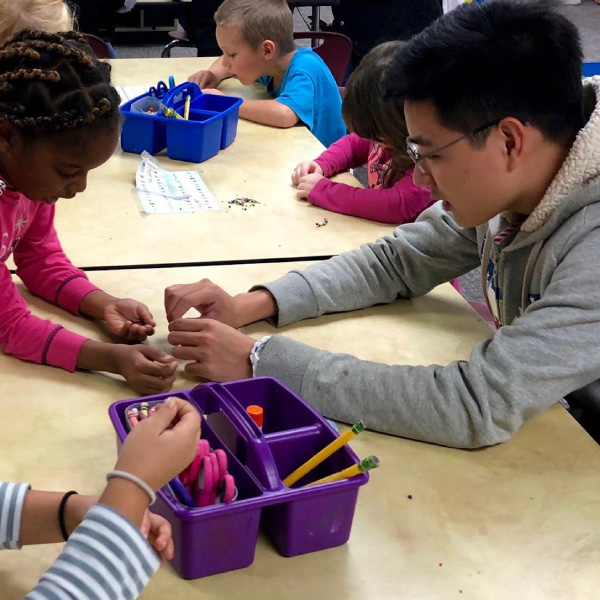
369,115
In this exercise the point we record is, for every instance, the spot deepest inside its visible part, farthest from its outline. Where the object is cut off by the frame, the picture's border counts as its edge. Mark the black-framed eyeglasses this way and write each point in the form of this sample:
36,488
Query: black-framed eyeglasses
412,149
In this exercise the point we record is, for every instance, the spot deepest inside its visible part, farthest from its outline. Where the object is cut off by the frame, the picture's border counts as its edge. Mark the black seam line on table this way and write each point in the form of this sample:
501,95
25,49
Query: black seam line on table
210,263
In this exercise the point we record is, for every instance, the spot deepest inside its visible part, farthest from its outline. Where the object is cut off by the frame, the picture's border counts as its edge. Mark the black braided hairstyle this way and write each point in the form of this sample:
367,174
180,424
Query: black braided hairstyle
52,82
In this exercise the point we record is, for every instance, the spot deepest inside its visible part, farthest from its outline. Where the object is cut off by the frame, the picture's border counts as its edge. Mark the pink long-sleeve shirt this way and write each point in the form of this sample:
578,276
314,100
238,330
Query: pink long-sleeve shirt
27,230
401,203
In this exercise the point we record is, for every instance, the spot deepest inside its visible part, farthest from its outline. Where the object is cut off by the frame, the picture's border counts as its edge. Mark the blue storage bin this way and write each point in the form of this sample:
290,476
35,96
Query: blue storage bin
141,131
194,140
212,124
227,107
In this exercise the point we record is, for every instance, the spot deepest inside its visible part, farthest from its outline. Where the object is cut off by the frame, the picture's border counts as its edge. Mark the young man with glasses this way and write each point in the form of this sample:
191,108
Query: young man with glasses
503,132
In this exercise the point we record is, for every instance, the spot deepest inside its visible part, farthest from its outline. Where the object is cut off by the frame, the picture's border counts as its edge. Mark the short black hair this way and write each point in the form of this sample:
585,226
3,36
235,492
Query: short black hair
500,58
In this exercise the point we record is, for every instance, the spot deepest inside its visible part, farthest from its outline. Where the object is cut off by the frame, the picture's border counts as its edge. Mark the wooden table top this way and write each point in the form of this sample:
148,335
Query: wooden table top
104,226
519,520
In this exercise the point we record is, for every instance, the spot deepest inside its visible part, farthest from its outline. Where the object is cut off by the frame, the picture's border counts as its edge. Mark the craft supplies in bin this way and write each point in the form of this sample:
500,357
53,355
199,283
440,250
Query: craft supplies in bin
222,537
206,480
212,123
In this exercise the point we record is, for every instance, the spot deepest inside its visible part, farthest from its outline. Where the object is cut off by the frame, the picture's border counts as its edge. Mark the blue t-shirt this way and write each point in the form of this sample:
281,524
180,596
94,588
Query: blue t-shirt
309,89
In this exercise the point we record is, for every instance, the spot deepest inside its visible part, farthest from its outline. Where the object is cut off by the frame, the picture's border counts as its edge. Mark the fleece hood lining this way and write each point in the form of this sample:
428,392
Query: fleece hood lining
581,167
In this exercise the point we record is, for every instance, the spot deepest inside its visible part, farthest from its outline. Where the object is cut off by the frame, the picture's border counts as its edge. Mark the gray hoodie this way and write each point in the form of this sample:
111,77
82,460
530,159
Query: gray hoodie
545,275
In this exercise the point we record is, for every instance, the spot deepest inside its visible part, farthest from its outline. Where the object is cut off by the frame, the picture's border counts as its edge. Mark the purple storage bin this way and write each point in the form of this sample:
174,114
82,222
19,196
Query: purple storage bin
317,517
215,538
298,520
283,410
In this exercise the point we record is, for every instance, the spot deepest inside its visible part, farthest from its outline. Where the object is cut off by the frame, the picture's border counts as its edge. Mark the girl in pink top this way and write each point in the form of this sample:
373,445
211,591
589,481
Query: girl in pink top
391,196
59,118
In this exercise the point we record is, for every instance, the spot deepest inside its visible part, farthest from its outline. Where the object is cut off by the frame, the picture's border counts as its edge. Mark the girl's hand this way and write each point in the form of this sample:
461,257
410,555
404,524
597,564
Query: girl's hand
129,319
307,183
157,531
154,528
147,370
214,91
305,168
162,445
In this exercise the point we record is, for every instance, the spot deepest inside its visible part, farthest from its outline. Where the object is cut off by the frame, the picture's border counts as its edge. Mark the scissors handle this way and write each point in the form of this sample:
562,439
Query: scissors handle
159,90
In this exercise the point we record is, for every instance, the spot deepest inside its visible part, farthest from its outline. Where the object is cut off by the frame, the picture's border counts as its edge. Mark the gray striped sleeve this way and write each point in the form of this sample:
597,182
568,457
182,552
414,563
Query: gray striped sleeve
12,497
106,558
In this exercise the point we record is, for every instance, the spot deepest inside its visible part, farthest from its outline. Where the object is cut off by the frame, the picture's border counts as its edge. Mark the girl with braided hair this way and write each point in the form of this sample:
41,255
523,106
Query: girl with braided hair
59,119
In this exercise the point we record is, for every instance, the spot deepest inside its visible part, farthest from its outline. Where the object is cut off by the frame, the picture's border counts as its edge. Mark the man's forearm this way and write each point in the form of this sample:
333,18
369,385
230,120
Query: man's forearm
255,306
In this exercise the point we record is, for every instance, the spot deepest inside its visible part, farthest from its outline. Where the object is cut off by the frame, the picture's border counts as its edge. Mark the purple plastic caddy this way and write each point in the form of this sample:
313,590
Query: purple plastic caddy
299,519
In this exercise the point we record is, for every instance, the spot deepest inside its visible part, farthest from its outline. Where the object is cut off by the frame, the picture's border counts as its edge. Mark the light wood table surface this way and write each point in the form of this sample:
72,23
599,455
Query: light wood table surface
519,520
104,227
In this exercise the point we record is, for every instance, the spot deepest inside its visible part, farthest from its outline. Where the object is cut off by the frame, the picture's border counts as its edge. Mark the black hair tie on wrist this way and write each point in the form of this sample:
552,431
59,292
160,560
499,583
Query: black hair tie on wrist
61,514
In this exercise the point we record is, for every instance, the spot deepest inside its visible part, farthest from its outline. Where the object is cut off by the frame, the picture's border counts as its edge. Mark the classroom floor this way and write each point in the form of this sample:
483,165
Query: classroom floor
585,15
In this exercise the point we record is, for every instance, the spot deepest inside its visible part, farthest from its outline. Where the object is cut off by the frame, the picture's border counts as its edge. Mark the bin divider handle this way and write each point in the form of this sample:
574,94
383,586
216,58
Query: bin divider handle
264,467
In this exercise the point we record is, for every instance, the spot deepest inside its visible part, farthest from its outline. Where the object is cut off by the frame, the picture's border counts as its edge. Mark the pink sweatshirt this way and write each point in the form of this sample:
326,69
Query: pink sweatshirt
402,203
27,230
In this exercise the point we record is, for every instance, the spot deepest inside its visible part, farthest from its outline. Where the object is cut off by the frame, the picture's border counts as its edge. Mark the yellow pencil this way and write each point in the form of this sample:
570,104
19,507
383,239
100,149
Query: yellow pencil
318,458
186,112
169,112
371,462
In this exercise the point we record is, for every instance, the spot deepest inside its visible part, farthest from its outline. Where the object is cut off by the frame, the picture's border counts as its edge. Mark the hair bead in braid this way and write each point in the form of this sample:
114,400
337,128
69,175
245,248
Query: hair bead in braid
17,51
14,108
52,82
57,38
31,74
69,52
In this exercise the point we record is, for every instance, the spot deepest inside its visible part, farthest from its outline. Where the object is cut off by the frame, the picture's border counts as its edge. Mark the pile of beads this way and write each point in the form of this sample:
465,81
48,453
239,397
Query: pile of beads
243,202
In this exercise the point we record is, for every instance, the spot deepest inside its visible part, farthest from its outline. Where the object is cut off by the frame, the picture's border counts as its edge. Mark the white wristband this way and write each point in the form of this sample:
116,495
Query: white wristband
255,353
134,479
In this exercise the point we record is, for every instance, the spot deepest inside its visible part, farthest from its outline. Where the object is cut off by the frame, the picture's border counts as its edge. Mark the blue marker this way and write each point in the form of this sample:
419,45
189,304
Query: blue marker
180,492
171,82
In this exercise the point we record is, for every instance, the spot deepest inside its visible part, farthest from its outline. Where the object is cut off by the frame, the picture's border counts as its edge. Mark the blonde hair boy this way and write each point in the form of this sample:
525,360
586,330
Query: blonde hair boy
40,15
259,20
257,40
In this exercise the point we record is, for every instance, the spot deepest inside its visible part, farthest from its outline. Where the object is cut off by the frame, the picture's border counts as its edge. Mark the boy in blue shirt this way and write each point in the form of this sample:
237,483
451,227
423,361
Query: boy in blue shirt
256,37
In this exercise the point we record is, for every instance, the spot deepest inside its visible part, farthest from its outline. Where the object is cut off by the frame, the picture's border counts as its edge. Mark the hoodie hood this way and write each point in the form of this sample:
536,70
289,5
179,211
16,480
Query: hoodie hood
581,168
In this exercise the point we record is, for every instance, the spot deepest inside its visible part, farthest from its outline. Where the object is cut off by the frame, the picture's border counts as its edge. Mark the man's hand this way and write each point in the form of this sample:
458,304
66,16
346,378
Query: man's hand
210,300
218,352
